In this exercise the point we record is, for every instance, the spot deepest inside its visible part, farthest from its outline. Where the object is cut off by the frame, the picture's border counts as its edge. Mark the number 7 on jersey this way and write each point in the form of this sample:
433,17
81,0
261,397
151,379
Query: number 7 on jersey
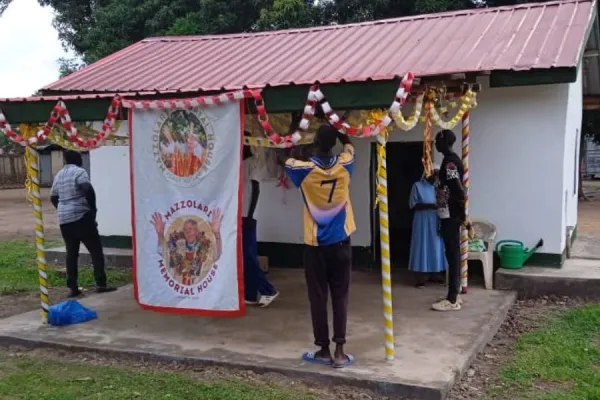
333,183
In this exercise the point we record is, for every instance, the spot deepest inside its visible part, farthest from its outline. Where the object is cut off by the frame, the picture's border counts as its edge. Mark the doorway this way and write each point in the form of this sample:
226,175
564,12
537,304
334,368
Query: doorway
404,168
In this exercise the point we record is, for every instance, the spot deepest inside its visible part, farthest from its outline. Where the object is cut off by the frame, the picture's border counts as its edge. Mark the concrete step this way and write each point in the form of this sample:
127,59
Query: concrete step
117,258
577,278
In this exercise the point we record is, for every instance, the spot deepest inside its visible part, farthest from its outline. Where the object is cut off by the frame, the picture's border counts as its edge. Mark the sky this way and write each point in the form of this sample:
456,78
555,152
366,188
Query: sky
30,49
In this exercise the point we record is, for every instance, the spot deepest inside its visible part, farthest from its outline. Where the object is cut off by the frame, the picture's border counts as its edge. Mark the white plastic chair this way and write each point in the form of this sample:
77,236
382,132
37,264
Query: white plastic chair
485,231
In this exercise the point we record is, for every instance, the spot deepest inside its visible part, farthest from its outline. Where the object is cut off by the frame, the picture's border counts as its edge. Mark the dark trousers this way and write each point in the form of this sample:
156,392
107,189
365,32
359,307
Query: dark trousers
450,231
328,268
83,231
255,280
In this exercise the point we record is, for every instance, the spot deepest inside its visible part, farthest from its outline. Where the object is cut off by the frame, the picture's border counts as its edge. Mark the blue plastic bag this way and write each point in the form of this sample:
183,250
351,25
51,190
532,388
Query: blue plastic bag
70,312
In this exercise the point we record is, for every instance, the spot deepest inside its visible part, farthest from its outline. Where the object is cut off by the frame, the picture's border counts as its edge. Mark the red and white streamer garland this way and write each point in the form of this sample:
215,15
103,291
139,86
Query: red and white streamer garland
276,138
215,100
12,135
60,113
203,101
369,130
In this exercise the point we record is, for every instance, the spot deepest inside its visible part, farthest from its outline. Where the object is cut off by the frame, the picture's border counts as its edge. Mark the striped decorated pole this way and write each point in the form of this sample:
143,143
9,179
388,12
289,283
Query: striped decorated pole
464,233
384,229
383,204
33,174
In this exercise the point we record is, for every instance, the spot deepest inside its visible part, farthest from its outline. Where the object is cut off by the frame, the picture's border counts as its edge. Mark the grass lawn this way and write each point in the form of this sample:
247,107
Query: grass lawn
26,378
18,270
559,361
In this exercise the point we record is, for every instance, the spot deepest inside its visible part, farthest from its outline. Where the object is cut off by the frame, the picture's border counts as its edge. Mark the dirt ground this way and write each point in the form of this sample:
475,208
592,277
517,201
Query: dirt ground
24,302
201,373
524,317
16,216
588,223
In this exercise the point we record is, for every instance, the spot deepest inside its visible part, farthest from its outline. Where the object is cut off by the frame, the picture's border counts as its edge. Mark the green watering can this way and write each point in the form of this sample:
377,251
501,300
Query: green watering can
513,254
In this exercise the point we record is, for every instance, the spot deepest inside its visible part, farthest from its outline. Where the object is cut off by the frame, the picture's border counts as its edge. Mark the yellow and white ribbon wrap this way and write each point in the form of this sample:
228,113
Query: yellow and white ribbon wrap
464,233
467,102
406,124
33,188
384,228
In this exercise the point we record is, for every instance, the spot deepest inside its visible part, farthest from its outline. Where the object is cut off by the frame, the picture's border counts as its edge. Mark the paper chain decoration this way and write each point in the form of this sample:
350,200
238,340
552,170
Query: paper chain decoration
202,101
60,115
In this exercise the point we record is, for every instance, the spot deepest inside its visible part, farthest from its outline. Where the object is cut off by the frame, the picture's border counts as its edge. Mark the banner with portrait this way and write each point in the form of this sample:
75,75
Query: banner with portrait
186,193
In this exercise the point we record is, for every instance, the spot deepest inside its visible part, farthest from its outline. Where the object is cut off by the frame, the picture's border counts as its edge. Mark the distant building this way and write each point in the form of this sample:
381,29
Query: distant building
591,160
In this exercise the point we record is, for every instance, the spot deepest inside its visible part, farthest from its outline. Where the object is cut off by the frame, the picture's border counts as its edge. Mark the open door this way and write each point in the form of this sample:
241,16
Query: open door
404,168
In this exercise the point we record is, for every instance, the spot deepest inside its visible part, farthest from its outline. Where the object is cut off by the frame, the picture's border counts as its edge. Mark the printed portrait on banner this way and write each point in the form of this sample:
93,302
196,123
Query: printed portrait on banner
183,145
188,242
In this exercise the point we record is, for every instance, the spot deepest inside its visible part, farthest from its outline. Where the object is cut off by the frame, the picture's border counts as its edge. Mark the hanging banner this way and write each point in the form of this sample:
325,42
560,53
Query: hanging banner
186,193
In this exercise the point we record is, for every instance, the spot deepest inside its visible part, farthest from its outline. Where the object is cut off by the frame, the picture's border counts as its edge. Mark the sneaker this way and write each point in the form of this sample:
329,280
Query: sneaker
265,301
459,299
250,303
445,305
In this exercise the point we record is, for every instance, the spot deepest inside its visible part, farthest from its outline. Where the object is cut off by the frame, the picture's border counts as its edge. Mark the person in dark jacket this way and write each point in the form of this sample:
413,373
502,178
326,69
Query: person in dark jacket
451,196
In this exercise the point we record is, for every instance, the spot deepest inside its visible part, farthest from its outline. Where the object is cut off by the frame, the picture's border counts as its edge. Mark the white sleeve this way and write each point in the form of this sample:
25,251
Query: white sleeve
253,173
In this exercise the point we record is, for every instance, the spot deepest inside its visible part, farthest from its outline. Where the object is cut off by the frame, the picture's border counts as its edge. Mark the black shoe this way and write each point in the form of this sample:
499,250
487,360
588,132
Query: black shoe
105,289
75,293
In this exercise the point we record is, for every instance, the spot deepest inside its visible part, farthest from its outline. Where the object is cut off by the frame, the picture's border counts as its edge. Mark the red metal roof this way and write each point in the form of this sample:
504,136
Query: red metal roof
523,37
86,96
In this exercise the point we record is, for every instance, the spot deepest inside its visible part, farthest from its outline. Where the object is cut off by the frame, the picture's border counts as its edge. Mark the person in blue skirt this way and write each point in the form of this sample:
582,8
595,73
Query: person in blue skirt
427,258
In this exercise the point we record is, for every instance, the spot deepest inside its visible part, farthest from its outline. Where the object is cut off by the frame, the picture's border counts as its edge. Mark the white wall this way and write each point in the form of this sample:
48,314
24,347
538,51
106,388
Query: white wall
519,172
517,145
109,170
571,154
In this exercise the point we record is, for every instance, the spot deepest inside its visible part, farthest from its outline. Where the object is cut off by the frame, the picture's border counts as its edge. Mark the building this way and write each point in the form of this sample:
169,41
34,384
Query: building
52,160
591,160
525,136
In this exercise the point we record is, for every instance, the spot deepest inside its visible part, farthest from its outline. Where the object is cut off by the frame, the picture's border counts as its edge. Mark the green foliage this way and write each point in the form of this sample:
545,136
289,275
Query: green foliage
8,146
29,378
286,14
18,270
67,66
559,361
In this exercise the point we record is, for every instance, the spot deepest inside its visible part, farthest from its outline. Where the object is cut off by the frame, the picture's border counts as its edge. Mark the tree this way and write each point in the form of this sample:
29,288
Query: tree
67,66
286,14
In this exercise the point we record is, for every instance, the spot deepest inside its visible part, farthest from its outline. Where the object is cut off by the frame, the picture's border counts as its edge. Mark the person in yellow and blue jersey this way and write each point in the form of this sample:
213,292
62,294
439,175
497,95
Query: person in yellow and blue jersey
324,182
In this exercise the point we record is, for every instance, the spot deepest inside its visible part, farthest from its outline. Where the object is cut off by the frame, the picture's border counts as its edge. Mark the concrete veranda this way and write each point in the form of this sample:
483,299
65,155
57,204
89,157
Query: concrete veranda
433,349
